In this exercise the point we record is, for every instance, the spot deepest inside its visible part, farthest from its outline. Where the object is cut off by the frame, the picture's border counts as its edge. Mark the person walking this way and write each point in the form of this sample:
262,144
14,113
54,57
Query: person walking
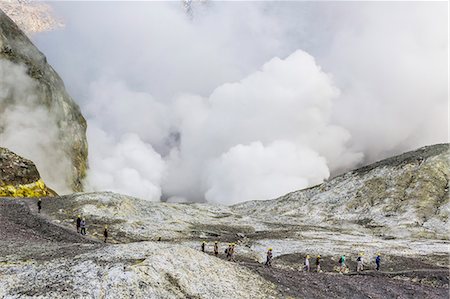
342,263
228,252
360,263
318,260
39,205
105,233
78,223
216,248
83,226
269,258
306,264
232,252
378,261
203,246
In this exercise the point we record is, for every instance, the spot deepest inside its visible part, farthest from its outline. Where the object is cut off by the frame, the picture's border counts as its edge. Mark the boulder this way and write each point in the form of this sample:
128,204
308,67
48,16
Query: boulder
19,177
30,83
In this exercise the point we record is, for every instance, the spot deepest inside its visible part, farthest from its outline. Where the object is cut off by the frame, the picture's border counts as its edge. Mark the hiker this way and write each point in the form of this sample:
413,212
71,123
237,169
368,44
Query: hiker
342,263
232,251
228,252
306,267
269,258
318,263
83,226
359,262
378,261
203,246
105,233
39,204
78,223
216,248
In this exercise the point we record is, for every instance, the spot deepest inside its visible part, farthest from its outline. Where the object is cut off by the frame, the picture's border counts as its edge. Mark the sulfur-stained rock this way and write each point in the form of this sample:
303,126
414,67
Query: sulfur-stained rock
19,177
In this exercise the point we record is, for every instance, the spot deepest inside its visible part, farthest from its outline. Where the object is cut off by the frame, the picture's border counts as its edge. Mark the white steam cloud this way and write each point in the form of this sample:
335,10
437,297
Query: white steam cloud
124,165
28,128
256,171
271,126
242,101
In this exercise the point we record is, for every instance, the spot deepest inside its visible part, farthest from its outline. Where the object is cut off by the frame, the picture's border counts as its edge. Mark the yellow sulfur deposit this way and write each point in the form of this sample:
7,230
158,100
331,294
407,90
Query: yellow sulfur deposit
35,189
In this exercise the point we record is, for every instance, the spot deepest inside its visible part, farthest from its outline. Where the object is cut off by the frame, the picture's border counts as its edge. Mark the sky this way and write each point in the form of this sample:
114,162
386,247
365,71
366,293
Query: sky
236,101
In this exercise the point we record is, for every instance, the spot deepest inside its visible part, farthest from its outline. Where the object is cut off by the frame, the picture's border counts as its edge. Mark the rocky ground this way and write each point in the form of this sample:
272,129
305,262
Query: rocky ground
39,257
42,255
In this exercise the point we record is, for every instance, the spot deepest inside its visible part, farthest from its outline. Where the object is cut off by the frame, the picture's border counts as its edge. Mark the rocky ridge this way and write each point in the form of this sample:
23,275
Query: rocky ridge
31,16
404,196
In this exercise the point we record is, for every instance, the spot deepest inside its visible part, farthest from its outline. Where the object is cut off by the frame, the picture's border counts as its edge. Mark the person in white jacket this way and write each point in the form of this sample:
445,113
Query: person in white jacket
360,262
306,267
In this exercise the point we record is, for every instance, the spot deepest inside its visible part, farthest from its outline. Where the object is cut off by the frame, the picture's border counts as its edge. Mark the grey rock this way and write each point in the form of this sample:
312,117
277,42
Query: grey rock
15,170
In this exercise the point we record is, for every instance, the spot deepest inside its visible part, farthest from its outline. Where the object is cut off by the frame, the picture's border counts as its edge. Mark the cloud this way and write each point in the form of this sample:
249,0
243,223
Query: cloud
390,62
218,104
255,171
29,129
127,165
283,110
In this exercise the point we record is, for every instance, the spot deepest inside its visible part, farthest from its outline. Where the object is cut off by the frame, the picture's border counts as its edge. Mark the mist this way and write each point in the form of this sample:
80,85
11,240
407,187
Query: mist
248,100
28,128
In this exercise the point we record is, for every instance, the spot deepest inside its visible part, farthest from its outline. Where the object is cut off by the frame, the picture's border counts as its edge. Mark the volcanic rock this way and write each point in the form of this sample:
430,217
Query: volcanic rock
19,177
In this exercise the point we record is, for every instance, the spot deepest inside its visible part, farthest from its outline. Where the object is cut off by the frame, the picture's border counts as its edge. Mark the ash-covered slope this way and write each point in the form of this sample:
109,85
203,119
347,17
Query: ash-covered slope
40,258
321,220
397,201
137,270
38,119
403,196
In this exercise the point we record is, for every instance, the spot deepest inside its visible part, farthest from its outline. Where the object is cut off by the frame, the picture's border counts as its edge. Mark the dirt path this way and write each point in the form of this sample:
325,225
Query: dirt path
334,285
28,235
368,284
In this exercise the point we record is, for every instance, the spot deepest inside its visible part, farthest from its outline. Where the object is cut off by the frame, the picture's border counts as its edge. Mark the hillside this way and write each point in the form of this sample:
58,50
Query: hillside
397,207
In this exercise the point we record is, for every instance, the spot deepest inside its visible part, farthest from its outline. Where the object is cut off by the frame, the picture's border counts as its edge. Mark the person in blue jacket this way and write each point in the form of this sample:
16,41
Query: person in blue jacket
378,261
